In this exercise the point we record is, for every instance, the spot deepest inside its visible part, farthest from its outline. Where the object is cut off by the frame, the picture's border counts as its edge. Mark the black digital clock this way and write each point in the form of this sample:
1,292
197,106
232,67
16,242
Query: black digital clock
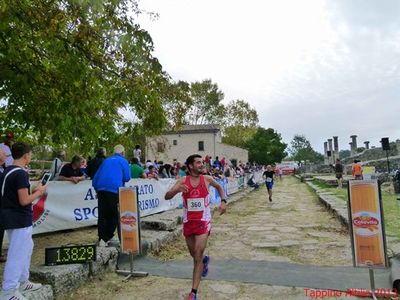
70,254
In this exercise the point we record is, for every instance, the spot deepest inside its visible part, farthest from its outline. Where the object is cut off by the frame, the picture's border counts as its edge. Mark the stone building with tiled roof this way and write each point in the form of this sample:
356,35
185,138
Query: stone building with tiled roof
190,139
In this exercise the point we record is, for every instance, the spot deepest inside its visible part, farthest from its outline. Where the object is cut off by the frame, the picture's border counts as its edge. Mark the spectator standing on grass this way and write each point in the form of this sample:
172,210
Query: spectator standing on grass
136,170
94,164
280,172
112,174
357,170
72,171
57,165
3,158
6,146
339,173
16,219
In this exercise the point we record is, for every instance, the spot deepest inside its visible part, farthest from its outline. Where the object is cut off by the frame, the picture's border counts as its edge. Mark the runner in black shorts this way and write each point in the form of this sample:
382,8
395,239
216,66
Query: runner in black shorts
268,175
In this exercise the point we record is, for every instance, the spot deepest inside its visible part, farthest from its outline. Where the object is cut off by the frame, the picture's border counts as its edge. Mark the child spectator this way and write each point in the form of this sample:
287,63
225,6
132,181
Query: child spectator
16,219
152,173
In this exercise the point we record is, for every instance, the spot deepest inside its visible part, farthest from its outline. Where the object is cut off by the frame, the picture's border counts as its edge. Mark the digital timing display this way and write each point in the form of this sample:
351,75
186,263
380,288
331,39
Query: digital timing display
70,254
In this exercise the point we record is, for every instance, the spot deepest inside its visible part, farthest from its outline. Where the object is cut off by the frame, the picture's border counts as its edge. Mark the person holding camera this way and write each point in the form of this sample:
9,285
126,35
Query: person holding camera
16,220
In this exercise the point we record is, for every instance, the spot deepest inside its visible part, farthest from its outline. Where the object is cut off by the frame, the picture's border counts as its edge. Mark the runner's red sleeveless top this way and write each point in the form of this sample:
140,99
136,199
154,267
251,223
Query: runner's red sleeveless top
196,204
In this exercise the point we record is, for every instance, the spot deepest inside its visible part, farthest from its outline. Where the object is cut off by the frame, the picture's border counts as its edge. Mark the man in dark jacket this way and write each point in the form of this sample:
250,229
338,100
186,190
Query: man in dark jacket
94,164
339,173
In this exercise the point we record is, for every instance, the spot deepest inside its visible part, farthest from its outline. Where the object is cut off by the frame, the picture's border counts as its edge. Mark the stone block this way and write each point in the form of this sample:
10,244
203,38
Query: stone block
106,260
63,278
156,239
167,220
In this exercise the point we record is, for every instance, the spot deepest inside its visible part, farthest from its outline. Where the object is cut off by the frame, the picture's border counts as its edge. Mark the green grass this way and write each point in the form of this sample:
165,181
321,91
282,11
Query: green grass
321,184
391,210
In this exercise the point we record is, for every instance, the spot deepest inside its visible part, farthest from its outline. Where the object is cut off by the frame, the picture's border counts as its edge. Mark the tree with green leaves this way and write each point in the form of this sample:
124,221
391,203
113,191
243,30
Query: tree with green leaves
69,68
239,123
266,147
302,151
344,153
176,103
206,106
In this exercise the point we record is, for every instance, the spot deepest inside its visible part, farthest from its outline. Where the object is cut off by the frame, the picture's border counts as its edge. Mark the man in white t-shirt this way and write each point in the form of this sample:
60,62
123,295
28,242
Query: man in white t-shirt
137,153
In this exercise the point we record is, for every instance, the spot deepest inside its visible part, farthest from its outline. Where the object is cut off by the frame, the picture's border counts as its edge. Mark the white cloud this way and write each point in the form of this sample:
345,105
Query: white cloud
318,68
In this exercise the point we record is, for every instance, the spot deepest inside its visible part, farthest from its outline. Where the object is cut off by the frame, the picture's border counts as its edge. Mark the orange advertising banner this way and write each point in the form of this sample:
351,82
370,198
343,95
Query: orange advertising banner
129,220
367,226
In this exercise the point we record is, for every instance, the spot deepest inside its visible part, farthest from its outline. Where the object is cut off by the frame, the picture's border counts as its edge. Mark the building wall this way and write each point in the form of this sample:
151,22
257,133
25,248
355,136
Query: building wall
232,152
188,144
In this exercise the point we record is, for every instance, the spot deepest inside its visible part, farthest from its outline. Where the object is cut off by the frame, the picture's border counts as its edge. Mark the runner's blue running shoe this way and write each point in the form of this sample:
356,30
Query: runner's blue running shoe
206,261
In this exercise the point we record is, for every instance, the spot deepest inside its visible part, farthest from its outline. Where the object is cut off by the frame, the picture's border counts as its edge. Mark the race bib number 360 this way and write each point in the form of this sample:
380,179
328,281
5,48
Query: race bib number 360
195,204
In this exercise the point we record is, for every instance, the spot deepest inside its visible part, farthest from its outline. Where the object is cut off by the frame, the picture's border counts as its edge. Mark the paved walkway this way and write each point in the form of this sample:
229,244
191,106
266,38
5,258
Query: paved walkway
267,272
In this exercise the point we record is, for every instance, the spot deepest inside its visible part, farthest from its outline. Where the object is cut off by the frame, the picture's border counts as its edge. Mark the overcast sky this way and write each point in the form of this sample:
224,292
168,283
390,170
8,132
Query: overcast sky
312,67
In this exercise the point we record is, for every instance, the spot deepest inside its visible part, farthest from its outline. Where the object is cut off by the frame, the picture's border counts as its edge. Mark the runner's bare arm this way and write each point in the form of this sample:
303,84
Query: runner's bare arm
214,183
178,187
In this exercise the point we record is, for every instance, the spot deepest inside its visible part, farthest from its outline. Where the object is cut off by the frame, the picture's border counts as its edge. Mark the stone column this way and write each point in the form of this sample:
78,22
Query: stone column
326,161
366,143
351,149
336,147
398,146
331,150
354,143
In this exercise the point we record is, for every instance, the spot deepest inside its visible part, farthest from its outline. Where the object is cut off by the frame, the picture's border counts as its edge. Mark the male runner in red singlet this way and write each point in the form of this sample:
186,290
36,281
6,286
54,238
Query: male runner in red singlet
196,215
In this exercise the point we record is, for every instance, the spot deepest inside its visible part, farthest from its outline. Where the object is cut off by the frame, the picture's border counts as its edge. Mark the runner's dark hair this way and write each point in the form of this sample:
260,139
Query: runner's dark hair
19,149
191,158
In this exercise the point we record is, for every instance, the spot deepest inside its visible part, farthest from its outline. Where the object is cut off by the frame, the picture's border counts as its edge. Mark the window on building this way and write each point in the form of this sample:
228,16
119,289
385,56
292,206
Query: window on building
175,142
201,145
160,147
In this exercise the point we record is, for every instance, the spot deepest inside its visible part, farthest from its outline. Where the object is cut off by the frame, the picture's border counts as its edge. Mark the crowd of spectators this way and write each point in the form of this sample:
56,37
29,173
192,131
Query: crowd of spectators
78,170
